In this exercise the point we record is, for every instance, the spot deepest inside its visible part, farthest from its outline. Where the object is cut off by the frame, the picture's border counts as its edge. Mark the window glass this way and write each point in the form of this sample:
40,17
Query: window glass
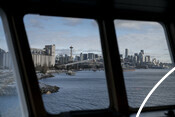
69,64
145,59
9,100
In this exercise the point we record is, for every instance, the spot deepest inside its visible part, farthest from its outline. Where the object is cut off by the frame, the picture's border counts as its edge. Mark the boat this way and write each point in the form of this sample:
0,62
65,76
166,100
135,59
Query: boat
94,69
128,69
70,72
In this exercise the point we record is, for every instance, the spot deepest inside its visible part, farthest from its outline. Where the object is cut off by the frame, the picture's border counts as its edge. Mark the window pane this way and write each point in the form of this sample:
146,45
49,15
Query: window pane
9,100
145,59
68,61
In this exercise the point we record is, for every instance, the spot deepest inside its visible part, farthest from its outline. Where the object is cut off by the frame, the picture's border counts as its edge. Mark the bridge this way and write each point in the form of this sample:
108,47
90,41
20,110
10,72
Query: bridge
78,62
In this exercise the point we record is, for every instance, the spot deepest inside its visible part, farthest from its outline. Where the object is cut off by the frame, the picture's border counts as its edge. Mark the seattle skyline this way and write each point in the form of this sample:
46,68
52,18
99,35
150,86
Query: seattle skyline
83,35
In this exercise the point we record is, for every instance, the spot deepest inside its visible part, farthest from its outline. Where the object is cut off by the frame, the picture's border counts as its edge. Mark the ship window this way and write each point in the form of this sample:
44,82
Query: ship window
9,99
69,67
145,59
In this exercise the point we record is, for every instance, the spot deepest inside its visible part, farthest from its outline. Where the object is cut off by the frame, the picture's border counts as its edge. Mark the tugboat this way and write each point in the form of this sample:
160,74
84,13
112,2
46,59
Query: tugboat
70,72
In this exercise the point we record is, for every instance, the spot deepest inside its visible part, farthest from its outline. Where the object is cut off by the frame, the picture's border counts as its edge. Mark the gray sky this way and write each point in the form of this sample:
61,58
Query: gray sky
147,36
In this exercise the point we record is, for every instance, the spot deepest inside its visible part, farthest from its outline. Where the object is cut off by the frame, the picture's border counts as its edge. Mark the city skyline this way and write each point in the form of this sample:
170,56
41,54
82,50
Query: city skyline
83,35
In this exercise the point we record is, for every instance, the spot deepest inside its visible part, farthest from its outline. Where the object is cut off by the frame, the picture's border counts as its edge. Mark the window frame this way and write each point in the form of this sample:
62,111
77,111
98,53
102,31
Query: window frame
111,105
16,72
170,42
105,21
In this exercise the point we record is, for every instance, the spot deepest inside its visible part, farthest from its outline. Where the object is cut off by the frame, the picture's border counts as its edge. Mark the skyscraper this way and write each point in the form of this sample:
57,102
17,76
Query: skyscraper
141,56
90,55
147,58
142,51
85,56
126,53
81,56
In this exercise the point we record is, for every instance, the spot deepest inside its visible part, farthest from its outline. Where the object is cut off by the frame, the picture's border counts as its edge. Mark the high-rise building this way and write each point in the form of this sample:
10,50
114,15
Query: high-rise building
147,58
142,51
136,58
141,56
66,58
131,58
61,59
77,58
126,53
81,56
96,55
85,56
90,55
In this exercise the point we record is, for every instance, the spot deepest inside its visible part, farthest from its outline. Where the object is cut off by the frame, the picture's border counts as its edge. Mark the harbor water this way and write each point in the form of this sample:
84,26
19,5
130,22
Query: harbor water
87,90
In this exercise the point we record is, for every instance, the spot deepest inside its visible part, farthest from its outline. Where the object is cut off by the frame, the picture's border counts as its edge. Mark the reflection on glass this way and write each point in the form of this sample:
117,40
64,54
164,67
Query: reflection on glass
68,60
145,59
9,103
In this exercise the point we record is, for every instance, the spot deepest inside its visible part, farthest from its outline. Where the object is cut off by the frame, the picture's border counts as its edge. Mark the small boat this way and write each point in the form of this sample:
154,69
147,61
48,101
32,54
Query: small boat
94,69
70,72
128,69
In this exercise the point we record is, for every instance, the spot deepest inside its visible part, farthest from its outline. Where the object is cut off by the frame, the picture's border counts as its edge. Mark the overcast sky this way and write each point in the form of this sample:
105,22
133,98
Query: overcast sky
83,35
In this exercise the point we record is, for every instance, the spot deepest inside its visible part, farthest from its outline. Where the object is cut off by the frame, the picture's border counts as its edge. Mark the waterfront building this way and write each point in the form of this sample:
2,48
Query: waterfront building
45,56
5,60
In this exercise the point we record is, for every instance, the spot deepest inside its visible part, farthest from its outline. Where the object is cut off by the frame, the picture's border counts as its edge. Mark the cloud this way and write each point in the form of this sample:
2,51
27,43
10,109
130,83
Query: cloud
153,44
81,42
137,25
62,51
72,21
36,23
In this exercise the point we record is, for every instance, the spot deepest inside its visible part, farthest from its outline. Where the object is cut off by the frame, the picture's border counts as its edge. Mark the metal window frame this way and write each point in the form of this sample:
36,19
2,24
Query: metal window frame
169,29
16,71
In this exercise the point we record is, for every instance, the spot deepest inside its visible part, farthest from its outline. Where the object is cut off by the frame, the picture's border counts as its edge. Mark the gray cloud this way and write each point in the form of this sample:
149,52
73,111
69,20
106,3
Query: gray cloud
138,25
72,21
